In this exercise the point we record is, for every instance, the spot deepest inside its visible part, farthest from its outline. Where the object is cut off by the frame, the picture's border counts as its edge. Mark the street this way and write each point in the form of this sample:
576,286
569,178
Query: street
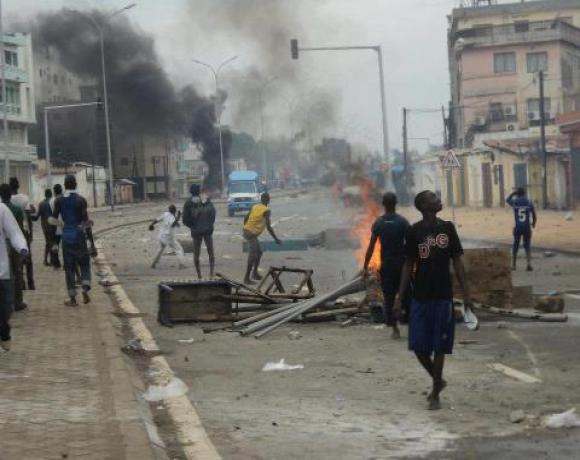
360,394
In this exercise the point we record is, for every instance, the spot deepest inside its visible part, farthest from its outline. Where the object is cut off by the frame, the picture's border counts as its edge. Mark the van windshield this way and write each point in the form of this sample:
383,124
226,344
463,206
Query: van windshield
243,187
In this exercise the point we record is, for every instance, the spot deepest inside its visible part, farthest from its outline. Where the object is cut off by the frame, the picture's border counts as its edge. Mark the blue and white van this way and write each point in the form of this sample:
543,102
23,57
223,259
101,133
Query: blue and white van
244,191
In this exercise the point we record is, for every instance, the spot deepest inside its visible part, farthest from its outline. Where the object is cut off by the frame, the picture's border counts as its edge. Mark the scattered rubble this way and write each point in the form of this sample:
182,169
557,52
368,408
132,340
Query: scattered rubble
281,366
294,335
174,389
517,416
568,419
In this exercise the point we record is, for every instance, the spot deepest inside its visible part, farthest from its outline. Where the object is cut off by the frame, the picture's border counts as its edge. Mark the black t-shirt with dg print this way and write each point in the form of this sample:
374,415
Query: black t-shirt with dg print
432,247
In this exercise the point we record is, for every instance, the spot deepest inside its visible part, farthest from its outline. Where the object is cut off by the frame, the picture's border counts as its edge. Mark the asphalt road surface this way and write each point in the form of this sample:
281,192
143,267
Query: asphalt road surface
360,394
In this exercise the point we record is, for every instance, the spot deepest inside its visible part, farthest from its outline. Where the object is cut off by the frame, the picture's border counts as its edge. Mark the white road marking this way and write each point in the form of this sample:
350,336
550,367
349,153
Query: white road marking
529,352
514,373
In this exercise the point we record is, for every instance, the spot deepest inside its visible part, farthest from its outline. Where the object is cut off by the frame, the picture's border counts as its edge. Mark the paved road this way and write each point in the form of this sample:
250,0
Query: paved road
360,395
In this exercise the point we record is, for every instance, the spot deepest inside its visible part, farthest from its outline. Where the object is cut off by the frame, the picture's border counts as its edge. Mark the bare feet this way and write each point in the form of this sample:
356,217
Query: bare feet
86,298
396,334
530,269
5,345
434,404
256,276
72,302
443,385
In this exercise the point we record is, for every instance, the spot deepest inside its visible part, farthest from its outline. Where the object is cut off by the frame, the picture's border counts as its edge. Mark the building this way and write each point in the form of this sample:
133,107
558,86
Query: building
495,55
17,152
490,173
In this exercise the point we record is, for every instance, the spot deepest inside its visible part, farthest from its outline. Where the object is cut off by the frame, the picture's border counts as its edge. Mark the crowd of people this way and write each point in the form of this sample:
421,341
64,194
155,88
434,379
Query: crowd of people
199,216
65,226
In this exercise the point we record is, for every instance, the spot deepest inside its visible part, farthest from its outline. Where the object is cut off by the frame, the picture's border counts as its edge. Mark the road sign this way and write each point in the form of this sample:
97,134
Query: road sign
450,161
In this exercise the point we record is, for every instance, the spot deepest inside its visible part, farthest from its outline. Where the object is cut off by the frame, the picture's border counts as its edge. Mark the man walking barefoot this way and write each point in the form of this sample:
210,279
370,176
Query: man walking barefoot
431,244
255,223
390,230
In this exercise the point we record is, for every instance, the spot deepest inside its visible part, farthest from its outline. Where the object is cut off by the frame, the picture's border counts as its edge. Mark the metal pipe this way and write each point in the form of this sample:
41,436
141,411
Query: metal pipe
4,102
343,290
354,285
267,314
383,103
47,150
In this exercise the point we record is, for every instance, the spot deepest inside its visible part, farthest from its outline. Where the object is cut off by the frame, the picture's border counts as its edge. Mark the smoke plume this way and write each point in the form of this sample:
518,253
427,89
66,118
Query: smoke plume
142,98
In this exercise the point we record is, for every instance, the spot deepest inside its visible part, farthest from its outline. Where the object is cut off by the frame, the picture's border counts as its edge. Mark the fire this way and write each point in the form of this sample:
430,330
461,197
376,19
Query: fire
371,210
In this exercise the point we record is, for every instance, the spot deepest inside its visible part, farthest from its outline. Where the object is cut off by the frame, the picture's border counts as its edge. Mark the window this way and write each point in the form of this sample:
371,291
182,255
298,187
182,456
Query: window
40,73
11,58
537,62
496,111
504,62
522,26
55,79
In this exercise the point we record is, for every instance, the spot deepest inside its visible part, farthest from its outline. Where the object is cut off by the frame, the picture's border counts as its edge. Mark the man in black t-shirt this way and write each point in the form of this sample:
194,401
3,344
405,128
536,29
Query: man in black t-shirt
390,230
431,244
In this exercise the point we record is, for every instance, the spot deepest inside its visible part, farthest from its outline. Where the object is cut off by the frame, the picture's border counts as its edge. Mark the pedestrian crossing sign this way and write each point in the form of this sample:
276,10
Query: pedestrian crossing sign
450,161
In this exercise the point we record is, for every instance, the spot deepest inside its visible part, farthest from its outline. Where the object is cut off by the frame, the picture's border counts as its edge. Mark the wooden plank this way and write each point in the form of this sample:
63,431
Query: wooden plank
513,373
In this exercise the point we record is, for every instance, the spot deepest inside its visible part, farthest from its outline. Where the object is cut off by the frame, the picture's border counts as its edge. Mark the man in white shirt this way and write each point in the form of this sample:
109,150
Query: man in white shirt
9,231
169,222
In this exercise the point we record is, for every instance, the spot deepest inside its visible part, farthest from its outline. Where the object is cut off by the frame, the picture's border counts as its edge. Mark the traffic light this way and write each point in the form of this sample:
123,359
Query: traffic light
294,48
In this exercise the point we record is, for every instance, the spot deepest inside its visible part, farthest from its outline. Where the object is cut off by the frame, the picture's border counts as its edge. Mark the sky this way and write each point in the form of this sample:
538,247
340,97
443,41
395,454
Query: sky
412,34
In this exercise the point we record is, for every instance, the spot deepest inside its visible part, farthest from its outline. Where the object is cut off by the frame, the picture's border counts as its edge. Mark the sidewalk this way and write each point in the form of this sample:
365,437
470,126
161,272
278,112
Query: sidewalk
65,389
553,230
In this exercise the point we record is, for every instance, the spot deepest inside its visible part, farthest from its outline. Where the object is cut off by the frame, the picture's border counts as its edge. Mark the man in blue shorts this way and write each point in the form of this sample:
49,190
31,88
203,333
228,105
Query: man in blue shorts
431,244
389,229
523,211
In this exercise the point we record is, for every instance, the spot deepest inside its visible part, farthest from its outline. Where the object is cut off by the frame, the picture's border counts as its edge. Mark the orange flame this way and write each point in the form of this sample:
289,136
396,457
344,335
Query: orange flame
371,210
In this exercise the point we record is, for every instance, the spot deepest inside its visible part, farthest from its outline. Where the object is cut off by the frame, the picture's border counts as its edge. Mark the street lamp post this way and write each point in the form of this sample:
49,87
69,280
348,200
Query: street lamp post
216,73
4,101
264,150
100,29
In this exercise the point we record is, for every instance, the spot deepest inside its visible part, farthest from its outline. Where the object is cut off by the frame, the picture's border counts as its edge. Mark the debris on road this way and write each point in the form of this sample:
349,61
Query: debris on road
186,341
569,216
551,303
568,419
281,366
294,335
549,254
514,373
517,416
174,389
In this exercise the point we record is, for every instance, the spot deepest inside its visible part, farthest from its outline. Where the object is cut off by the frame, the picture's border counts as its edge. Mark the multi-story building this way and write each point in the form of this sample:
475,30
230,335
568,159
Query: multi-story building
496,53
17,151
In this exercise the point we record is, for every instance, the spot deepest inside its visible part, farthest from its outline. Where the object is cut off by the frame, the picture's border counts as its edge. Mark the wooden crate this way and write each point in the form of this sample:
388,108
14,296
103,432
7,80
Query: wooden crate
185,301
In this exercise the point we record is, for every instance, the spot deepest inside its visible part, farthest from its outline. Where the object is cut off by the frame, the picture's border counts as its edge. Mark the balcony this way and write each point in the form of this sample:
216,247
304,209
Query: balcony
16,74
514,34
18,152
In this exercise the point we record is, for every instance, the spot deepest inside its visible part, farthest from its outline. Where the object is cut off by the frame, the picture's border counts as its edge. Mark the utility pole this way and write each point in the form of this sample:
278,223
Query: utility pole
445,133
4,101
405,144
543,142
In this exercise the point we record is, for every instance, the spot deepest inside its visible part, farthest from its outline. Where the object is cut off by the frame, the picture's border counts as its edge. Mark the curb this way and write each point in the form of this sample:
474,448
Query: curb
190,433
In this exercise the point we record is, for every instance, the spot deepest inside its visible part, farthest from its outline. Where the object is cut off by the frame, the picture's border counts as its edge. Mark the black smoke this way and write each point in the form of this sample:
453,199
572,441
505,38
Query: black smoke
142,98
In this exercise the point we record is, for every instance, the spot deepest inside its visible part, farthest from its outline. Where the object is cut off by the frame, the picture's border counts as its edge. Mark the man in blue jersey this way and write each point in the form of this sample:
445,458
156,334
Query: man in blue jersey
525,220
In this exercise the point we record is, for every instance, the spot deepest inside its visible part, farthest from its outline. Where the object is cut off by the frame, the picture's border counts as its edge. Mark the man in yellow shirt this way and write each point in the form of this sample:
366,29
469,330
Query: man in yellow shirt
257,220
